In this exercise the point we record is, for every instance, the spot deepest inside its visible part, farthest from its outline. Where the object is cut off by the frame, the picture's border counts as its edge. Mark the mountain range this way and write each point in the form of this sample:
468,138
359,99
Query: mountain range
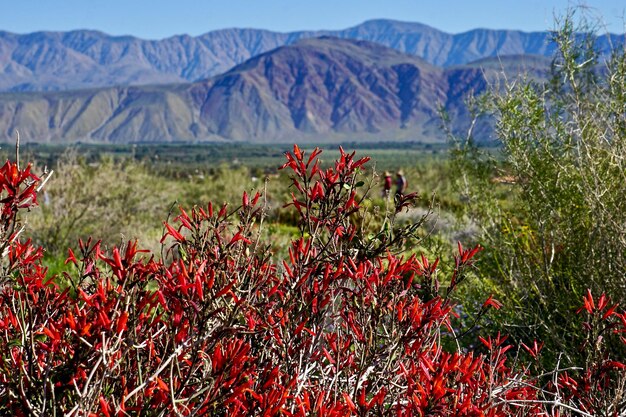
319,89
48,61
380,80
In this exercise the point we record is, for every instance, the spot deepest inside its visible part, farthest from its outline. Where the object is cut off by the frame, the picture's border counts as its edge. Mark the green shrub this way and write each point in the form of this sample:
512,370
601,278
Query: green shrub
562,227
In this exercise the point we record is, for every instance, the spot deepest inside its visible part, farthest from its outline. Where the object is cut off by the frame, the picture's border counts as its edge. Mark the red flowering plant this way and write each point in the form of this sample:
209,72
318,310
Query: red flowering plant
598,388
345,325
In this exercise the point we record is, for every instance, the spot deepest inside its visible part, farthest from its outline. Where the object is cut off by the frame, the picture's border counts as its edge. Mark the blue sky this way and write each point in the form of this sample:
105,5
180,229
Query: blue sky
156,19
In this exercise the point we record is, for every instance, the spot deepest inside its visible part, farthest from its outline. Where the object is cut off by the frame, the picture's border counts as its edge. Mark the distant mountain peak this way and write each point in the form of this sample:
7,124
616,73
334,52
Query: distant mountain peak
45,61
398,25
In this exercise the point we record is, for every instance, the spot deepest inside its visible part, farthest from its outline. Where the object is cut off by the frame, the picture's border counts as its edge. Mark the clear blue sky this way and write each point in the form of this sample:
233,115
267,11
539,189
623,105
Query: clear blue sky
156,19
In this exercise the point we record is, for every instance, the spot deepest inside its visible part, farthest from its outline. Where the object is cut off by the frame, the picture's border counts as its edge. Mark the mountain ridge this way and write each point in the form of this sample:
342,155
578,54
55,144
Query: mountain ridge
53,61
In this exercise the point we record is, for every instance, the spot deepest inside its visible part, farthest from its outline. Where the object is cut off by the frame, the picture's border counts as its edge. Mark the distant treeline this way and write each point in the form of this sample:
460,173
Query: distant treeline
187,157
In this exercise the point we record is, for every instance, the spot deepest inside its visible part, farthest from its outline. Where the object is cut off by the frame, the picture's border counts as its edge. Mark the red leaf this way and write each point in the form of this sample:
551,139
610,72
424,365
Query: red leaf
491,302
226,288
199,291
314,154
121,322
486,342
222,211
297,152
349,402
609,312
104,407
534,351
238,236
162,385
71,257
256,199
589,301
173,232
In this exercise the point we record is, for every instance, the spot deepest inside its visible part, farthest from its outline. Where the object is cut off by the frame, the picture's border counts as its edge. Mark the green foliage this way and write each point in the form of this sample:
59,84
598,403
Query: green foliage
80,201
121,200
560,229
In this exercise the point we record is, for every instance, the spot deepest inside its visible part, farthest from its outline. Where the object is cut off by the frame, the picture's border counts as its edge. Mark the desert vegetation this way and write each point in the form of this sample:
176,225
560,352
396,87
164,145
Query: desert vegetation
491,288
560,230
343,325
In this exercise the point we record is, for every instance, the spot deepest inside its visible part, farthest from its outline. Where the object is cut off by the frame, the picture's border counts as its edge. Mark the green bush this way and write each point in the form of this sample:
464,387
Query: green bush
562,226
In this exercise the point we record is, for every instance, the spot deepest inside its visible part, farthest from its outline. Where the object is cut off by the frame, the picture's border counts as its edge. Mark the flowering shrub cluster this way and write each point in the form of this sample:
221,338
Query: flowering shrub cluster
216,326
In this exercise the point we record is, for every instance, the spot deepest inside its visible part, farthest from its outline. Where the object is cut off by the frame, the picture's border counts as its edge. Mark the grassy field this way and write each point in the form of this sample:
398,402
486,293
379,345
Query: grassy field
186,157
